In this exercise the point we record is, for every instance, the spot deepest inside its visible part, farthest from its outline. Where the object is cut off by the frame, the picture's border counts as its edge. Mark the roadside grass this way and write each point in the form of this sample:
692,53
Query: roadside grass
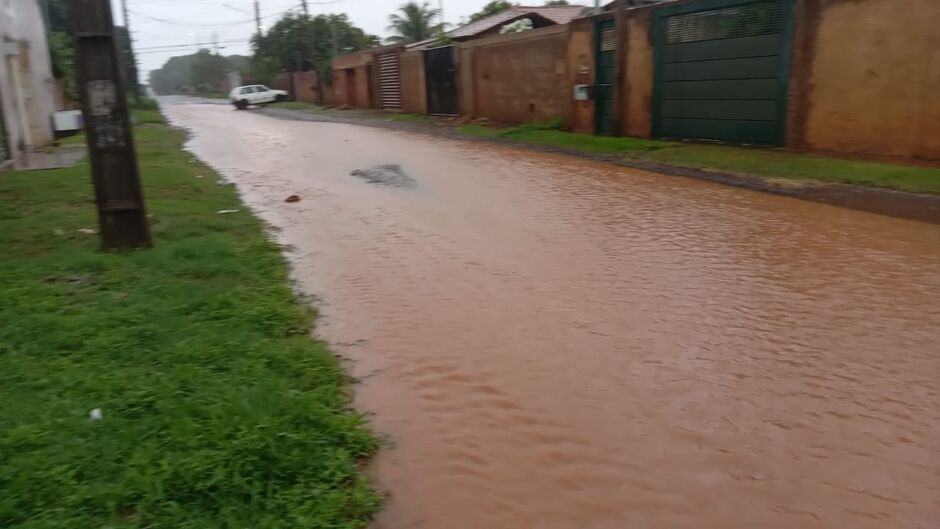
767,163
219,410
297,105
407,116
214,95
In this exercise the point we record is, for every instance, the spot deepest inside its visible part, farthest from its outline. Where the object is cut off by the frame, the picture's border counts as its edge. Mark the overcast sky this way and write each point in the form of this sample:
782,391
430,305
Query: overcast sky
189,23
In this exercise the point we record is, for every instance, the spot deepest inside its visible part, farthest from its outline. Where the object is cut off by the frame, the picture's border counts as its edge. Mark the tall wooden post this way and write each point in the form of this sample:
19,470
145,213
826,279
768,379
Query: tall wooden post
121,216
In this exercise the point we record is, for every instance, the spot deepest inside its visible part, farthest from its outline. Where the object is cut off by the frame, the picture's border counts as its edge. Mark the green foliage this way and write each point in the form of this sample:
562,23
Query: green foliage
62,49
414,23
304,43
219,410
207,71
557,3
200,72
62,52
495,6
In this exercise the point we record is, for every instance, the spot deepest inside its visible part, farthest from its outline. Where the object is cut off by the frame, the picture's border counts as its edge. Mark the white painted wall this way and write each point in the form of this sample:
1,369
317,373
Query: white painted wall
27,95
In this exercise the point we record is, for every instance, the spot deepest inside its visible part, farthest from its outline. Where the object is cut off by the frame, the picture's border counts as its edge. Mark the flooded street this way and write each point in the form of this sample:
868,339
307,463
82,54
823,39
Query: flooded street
552,343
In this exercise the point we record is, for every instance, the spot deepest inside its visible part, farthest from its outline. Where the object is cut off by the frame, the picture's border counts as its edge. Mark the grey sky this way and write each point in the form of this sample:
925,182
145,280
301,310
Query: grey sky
190,23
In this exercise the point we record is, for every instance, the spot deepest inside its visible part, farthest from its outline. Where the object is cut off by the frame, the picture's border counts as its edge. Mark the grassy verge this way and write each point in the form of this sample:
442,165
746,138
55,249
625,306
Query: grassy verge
779,166
214,95
407,116
218,408
296,105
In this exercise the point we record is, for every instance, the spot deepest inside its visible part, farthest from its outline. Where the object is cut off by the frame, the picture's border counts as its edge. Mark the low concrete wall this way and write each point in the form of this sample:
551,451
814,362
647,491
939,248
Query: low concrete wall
638,75
866,77
348,81
516,78
413,83
581,71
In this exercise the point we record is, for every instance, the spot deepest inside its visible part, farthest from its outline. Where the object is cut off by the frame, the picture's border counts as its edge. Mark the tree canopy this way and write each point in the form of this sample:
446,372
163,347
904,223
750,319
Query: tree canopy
198,72
303,43
414,23
495,6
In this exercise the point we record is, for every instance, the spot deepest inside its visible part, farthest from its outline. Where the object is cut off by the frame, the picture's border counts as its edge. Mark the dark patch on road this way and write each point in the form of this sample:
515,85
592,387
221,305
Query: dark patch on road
386,174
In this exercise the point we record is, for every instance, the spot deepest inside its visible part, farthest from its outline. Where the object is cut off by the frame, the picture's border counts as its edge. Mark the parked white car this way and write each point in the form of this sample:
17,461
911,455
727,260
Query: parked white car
255,94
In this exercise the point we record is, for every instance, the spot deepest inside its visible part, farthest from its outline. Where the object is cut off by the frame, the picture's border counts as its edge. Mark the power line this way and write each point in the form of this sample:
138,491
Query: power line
233,23
157,48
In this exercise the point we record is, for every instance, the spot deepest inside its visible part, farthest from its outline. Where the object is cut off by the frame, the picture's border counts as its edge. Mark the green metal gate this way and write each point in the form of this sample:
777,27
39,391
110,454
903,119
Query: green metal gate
606,48
721,70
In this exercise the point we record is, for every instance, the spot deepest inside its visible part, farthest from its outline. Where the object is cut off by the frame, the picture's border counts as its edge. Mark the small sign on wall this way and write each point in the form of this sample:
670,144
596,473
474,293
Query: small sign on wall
582,92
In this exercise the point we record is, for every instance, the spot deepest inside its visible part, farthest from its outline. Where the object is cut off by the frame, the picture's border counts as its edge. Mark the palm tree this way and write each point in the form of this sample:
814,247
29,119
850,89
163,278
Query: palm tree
415,23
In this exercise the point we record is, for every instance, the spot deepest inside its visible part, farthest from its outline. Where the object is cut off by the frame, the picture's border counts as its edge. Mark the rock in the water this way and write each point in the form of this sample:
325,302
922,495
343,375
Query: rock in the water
388,174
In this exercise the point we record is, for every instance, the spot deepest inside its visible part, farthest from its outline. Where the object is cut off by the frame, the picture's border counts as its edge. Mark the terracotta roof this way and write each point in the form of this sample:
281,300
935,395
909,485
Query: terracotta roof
557,14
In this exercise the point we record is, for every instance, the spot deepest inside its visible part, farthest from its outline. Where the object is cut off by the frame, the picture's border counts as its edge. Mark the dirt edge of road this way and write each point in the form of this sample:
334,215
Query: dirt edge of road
901,204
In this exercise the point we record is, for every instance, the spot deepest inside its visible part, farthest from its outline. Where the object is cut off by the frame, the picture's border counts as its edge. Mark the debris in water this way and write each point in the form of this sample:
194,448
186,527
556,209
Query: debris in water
224,211
388,174
292,198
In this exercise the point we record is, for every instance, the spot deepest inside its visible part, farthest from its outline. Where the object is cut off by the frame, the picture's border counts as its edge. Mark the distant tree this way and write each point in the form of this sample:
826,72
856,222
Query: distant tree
207,71
495,6
415,23
303,43
557,3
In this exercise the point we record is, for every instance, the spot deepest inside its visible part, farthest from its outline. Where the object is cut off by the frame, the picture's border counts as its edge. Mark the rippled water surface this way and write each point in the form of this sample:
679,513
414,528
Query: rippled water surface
551,343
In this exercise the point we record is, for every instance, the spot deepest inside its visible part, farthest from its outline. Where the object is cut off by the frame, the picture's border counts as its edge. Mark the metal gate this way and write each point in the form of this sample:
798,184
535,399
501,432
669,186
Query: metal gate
389,81
721,72
441,82
606,48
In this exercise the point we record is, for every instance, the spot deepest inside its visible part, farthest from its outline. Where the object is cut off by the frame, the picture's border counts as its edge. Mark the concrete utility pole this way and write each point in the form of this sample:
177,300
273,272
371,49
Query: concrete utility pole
257,19
121,216
131,60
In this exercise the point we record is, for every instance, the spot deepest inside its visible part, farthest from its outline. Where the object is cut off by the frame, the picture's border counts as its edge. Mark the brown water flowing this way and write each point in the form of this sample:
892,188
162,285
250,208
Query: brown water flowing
552,343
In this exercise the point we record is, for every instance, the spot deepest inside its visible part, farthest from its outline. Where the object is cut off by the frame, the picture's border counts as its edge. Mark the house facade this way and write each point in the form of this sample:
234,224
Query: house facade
848,76
27,86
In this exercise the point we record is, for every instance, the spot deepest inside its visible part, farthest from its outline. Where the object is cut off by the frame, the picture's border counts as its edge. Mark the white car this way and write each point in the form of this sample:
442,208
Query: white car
255,94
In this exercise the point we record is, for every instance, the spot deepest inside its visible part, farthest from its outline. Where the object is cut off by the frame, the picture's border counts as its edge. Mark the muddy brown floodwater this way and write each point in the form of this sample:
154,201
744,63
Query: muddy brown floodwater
552,343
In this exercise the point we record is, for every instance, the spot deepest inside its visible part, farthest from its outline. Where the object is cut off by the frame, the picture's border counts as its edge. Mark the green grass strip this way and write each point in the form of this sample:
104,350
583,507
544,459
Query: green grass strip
219,410
779,166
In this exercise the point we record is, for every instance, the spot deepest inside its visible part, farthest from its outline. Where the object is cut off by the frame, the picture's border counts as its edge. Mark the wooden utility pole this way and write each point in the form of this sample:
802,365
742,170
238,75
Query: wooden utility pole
304,4
122,219
131,59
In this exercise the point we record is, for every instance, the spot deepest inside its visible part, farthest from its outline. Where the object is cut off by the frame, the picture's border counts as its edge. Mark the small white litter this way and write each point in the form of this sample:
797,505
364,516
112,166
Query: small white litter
224,211
87,231
198,176
95,414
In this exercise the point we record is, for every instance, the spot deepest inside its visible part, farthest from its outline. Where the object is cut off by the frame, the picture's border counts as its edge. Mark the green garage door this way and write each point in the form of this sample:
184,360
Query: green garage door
605,43
722,69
